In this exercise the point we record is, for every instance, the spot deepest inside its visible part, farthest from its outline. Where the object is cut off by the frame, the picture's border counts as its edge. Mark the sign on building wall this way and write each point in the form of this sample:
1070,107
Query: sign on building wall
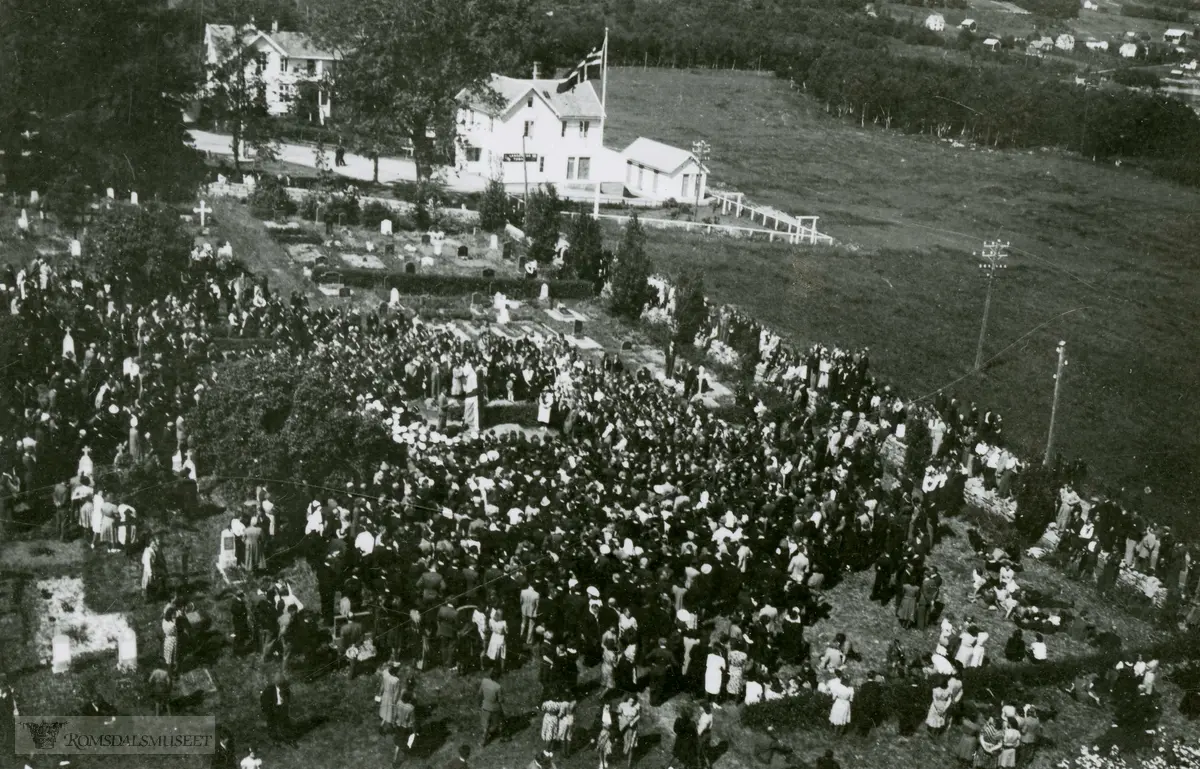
516,157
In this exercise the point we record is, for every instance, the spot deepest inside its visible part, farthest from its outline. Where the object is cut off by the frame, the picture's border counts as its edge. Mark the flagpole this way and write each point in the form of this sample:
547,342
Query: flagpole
603,115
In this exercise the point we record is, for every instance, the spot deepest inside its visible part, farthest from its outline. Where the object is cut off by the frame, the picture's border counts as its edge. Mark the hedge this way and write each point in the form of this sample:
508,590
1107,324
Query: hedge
1003,682
452,285
523,413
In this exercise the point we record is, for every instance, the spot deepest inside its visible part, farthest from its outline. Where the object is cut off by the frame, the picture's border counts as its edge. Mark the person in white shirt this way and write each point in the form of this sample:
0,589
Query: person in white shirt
251,761
1037,649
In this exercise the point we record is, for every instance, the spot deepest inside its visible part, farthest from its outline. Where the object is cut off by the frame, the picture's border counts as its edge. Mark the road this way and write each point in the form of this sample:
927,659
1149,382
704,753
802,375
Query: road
357,166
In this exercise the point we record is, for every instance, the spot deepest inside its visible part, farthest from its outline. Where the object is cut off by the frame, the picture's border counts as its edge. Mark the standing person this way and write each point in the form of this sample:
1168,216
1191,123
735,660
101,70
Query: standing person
566,726
225,754
8,716
170,645
158,686
704,735
491,706
608,666
1031,728
154,570
447,631
496,650
906,612
843,695
629,716
604,734
253,547
1010,740
405,733
276,702
251,761
968,741
713,673
389,696
938,716
735,685
931,588
530,599
551,710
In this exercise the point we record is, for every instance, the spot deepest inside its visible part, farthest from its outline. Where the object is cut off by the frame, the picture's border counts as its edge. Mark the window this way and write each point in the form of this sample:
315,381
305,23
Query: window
686,190
641,174
564,128
283,64
655,188
529,102
542,164
570,168
473,154
629,172
583,128
528,129
262,60
312,67
585,168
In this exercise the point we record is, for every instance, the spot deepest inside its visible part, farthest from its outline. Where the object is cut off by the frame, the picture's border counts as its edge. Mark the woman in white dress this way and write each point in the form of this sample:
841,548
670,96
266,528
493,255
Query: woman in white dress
966,646
713,673
843,695
496,650
978,652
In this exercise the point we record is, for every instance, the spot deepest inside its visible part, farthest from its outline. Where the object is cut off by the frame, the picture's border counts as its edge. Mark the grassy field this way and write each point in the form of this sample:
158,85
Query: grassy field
1103,258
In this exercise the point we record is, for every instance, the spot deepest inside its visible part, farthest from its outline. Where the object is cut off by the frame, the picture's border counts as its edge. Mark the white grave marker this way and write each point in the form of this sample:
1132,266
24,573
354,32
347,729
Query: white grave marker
34,196
60,661
545,295
23,221
203,210
394,297
76,248
133,198
112,194
127,651
495,243
385,226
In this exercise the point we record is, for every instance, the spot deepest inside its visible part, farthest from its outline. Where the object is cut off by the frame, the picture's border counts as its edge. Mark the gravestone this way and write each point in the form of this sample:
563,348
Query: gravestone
76,248
329,226
544,296
321,261
111,193
508,249
425,239
133,198
520,262
394,297
23,221
330,278
410,268
578,327
437,247
34,197
463,251
60,648
127,651
494,244
389,249
385,226
488,272
249,181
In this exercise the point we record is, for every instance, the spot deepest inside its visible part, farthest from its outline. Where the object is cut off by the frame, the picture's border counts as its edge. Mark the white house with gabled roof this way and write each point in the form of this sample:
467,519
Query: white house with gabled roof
277,61
533,133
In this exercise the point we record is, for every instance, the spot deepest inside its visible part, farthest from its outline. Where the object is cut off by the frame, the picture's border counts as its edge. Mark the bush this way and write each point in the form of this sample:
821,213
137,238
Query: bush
344,208
375,212
463,285
145,244
270,200
308,207
495,208
631,272
1137,78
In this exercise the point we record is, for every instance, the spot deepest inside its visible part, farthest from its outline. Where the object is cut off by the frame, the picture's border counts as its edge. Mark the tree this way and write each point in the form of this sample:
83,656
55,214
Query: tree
631,272
691,307
280,419
1036,499
236,98
495,207
585,257
145,245
542,221
95,89
406,64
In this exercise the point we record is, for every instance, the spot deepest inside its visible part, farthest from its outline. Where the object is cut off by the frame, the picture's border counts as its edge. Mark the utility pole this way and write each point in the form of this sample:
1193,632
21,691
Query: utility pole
701,150
1058,377
525,168
991,259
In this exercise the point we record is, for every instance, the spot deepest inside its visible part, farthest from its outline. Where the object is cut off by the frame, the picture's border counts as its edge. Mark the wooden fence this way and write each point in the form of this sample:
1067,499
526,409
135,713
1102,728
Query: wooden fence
798,229
731,230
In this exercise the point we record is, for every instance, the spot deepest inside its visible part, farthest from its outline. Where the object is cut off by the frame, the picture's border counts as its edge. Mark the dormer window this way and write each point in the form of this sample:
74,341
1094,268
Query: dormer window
529,102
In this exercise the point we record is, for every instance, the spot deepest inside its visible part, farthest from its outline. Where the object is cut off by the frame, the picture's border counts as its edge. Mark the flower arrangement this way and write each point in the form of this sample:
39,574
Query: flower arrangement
61,610
656,316
723,353
1177,755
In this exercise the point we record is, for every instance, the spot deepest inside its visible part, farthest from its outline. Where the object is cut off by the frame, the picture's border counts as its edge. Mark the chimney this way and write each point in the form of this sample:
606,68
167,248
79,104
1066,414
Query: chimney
274,27
535,70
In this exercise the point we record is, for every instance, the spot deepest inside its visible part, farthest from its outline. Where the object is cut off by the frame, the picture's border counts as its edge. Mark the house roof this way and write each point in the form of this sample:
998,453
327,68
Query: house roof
656,155
1175,32
965,22
991,41
580,102
294,45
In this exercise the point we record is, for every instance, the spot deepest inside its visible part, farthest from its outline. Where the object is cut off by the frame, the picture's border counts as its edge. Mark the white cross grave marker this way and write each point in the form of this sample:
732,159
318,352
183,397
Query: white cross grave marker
203,210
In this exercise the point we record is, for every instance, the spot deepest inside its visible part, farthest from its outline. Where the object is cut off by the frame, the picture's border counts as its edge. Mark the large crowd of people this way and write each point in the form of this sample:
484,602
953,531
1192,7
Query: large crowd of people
672,550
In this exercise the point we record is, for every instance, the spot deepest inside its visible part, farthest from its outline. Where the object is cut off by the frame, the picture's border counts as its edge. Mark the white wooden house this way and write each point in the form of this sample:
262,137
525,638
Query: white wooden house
1128,50
1065,42
534,134
935,22
1097,45
1176,36
657,170
276,61
969,25
992,44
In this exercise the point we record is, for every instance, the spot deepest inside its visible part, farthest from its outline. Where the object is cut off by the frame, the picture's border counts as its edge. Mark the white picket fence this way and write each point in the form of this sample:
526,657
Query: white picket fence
798,229
805,236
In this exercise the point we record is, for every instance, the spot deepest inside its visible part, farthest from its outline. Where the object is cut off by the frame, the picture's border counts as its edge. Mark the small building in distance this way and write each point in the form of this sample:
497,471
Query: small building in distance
1065,42
969,25
660,171
1176,36
1097,45
935,22
992,44
277,61
1128,50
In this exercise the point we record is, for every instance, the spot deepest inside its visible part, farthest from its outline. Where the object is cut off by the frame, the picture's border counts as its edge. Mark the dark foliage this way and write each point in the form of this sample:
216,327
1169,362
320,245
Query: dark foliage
463,285
631,272
495,207
270,200
146,244
1036,497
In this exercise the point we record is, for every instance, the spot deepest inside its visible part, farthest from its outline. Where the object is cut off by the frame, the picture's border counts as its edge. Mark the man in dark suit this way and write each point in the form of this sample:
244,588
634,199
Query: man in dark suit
276,703
931,588
491,705
447,632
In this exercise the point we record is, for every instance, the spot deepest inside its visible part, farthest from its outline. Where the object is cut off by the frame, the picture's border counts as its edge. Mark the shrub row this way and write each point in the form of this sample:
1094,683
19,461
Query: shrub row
453,285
